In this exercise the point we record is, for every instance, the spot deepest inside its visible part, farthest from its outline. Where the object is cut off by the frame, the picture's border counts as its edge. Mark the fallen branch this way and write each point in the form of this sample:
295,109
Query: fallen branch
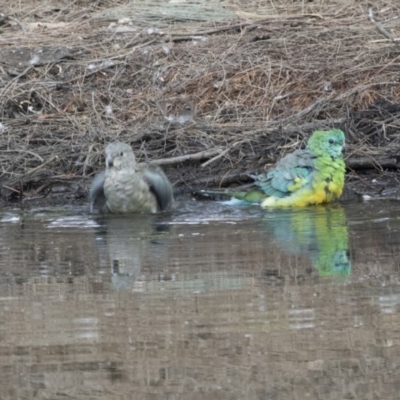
189,157
227,150
370,162
4,17
220,180
380,28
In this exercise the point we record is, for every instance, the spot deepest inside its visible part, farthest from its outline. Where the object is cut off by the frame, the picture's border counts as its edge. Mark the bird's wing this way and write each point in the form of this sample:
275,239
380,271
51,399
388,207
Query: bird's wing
97,197
292,172
159,185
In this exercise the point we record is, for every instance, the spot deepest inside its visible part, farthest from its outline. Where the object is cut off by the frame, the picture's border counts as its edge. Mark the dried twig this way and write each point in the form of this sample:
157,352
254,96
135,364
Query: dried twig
375,163
5,17
380,28
221,154
188,157
221,180
14,80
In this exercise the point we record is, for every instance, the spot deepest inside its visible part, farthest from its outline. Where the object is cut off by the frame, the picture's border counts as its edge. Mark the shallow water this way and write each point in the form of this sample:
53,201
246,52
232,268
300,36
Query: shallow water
208,302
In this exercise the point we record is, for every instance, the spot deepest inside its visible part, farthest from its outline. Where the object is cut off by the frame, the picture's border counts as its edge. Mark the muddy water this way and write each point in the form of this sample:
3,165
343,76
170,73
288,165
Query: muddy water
208,302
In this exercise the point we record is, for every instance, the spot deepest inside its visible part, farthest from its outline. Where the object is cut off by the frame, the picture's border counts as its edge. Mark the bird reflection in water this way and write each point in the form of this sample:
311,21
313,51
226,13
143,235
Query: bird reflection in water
320,232
126,243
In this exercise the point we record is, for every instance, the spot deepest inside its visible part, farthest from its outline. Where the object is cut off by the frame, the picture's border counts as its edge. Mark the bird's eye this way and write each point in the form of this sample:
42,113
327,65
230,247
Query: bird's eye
121,154
330,141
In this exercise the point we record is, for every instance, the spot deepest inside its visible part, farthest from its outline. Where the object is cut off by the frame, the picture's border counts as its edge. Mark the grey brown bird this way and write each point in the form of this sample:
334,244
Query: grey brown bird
127,186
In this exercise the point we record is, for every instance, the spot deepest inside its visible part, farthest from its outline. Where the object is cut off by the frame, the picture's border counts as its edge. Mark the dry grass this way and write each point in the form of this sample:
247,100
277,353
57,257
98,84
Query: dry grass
235,91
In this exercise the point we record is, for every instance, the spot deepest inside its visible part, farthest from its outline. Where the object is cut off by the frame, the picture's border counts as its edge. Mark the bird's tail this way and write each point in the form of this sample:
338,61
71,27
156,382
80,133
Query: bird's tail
252,196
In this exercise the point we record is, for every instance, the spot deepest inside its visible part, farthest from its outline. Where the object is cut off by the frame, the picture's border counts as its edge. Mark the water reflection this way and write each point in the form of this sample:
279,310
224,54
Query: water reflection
320,232
209,302
124,242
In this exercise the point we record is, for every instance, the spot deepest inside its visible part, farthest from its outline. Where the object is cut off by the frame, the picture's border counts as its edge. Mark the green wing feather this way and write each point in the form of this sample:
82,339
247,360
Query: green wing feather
292,172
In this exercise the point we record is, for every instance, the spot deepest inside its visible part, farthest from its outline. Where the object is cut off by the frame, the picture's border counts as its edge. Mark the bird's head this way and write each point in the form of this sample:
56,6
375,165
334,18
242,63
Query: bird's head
119,155
330,143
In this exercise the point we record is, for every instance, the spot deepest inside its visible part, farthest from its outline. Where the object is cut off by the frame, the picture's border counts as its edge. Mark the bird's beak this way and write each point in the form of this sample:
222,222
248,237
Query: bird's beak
109,162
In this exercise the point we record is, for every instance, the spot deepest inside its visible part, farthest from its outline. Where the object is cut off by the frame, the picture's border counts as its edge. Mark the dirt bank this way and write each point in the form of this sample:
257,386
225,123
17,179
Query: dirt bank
211,91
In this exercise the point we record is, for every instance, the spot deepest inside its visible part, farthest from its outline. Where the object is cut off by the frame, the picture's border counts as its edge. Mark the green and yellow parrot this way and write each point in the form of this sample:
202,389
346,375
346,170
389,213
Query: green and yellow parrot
314,175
